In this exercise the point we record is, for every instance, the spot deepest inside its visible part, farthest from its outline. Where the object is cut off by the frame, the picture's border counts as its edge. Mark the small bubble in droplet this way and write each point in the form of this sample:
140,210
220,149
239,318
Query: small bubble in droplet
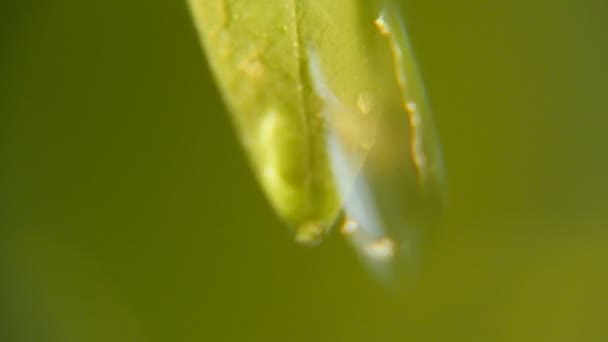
251,64
310,233
349,227
382,25
270,173
364,102
411,106
383,248
268,125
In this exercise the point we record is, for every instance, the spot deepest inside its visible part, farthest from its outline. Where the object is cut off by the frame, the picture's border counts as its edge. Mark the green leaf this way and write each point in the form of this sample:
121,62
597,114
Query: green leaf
313,86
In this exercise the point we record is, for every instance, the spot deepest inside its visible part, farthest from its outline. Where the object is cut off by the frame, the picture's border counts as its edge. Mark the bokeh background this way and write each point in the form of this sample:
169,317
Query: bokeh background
128,211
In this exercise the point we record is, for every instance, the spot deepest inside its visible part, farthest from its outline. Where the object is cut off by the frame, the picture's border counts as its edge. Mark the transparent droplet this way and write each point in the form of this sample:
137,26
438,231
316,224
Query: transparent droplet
383,149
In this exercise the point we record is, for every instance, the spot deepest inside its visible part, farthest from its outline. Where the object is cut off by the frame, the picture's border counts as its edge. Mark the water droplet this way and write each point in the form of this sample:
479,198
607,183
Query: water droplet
371,150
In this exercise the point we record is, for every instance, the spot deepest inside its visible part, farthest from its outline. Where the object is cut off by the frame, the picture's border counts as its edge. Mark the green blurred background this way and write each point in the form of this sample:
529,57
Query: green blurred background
128,211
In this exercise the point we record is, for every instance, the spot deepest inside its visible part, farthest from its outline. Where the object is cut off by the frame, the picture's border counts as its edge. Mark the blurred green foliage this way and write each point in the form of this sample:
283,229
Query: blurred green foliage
128,211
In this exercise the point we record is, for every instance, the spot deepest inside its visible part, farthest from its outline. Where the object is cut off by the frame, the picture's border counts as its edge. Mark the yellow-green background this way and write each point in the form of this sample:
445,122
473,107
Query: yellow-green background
128,212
